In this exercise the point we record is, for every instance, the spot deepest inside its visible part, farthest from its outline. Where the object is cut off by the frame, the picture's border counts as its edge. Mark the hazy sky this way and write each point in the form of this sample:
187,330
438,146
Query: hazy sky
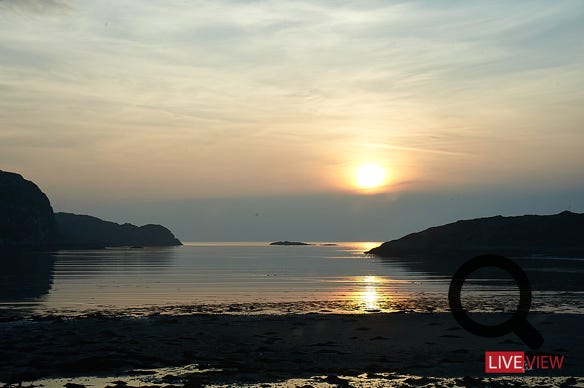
231,120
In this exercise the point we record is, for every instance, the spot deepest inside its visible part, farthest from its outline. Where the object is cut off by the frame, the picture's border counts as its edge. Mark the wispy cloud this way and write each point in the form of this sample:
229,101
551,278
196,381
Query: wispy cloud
416,149
35,6
252,89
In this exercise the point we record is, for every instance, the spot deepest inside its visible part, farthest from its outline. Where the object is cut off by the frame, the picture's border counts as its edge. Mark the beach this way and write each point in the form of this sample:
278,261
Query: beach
262,316
257,349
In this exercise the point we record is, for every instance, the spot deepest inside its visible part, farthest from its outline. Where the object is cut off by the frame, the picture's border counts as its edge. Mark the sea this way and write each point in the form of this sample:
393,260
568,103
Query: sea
259,278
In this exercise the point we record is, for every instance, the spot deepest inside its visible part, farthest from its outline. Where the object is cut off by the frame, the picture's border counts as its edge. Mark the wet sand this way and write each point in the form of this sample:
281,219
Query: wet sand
238,349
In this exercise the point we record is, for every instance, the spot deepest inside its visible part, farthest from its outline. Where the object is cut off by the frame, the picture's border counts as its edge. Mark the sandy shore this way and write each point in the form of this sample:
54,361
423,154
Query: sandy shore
258,348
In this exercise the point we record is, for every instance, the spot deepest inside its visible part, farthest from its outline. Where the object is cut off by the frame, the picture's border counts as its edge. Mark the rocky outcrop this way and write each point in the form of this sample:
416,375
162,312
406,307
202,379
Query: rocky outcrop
27,220
289,243
26,215
83,230
560,235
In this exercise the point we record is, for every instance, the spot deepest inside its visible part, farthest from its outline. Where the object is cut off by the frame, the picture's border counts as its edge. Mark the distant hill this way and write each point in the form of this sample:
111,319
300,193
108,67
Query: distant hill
80,230
27,220
560,235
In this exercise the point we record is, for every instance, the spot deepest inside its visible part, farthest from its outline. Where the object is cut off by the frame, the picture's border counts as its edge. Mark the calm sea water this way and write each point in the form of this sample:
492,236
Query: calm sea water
257,277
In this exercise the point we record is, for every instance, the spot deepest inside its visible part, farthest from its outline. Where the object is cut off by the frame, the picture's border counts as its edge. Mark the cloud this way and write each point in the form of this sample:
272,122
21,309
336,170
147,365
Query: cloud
233,92
417,149
36,6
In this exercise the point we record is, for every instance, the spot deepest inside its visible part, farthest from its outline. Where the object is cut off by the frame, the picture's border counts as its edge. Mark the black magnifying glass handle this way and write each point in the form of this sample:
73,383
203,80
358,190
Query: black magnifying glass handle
528,334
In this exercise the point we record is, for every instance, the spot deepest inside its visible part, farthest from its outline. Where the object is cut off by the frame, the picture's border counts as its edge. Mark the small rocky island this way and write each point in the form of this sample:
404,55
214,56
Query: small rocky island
27,220
289,243
558,235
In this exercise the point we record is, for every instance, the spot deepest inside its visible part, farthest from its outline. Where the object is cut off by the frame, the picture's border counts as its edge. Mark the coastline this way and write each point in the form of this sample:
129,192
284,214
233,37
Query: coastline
263,348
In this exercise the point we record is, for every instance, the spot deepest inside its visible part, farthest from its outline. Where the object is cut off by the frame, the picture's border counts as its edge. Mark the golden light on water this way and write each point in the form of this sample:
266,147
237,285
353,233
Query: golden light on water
364,246
371,279
369,298
373,293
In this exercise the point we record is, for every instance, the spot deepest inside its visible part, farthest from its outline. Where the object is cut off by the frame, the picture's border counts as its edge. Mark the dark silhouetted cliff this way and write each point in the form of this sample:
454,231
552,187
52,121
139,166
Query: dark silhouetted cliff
27,220
82,230
26,216
560,235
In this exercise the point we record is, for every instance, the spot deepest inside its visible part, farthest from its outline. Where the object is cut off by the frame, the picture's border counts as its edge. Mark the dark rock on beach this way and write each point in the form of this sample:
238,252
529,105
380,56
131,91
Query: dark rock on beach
559,235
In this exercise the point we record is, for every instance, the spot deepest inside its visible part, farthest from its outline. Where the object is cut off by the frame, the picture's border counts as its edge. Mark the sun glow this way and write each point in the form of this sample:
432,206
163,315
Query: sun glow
370,176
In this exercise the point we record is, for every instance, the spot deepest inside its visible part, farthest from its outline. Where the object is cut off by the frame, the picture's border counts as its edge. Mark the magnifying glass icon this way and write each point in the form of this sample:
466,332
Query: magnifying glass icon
517,324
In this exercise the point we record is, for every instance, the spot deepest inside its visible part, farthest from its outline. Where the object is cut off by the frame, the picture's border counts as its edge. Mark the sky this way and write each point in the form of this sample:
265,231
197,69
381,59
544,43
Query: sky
247,120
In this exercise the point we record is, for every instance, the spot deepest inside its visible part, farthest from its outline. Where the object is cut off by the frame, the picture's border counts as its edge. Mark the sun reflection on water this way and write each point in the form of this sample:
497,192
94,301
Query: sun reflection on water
365,246
370,297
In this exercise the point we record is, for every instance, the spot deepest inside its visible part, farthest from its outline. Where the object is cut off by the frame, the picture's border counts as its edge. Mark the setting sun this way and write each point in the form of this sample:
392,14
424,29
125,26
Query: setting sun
370,176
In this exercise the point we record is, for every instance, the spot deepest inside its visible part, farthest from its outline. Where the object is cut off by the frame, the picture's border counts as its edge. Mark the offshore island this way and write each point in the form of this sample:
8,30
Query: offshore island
289,243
